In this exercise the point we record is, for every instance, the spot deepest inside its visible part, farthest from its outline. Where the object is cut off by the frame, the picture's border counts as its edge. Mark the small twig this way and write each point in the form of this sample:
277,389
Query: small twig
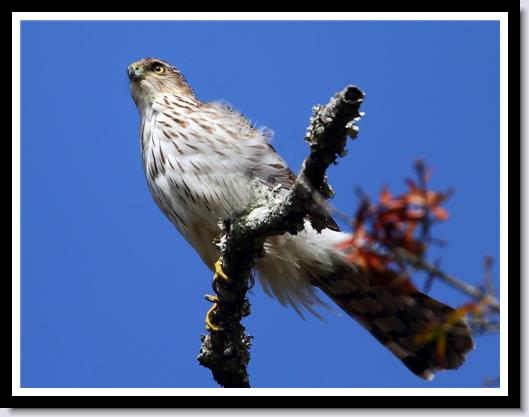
487,263
431,277
482,327
226,351
492,382
419,263
426,223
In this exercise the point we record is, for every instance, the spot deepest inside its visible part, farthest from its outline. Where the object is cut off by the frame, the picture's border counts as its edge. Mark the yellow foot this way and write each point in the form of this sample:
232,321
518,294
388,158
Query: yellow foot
210,326
219,273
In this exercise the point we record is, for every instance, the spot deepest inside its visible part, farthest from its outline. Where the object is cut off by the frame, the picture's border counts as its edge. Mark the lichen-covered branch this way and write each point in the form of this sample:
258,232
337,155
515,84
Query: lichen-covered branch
226,351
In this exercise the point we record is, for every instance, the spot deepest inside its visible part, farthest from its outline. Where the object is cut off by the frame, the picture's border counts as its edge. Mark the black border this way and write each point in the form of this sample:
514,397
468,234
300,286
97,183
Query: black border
512,400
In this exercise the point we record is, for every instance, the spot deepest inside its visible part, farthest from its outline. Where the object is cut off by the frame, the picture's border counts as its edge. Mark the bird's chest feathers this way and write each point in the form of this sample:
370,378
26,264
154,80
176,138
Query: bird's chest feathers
190,174
200,165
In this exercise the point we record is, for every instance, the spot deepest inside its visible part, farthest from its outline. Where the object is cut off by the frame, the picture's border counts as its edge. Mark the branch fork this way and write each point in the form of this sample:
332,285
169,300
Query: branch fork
226,352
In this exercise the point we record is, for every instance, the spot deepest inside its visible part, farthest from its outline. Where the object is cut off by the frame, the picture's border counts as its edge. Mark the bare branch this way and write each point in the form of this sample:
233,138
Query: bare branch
226,351
474,292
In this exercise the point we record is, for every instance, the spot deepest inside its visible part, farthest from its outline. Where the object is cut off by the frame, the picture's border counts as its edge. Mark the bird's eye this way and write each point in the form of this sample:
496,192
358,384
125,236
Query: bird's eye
159,69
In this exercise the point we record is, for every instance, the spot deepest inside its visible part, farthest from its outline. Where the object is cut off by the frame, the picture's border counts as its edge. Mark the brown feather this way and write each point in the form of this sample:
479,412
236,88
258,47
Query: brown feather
398,318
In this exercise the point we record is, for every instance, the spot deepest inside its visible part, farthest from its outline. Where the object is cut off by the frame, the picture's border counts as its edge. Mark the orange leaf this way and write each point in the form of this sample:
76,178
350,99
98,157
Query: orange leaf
385,196
439,213
345,244
412,186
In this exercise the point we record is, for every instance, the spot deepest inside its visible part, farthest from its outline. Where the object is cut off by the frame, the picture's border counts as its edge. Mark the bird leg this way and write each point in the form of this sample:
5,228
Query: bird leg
219,276
219,273
210,326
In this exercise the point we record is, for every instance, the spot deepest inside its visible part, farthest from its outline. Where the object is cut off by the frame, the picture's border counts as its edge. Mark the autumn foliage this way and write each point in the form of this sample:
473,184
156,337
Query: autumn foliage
402,221
390,240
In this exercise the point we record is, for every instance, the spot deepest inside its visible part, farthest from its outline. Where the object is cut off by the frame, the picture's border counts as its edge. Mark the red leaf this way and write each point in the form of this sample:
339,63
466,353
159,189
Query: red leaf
439,213
385,196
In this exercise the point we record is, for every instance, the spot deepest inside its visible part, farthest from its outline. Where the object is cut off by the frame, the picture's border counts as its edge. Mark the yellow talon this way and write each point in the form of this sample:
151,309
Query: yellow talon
209,324
219,273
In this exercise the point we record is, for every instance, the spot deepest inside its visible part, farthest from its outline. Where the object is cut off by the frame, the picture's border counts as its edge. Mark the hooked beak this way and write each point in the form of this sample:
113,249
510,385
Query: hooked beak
134,71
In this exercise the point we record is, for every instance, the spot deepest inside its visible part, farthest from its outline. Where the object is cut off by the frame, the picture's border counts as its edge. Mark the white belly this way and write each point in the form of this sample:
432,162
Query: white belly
196,207
196,185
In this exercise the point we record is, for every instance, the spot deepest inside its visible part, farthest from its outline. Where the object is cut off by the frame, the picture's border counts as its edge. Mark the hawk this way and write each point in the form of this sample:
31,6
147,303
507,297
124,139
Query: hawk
204,161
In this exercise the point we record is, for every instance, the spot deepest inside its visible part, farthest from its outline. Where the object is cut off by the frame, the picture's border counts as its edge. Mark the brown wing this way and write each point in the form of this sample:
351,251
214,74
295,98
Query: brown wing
327,220
281,174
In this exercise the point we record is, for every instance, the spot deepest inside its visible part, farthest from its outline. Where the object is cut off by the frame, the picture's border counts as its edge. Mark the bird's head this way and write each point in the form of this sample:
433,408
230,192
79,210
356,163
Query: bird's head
150,77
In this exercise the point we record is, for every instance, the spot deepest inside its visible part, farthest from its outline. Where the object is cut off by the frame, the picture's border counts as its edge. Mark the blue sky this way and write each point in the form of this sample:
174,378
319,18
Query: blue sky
112,295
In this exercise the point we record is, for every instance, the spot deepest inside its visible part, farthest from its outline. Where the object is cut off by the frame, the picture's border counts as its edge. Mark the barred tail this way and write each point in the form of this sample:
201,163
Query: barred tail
423,333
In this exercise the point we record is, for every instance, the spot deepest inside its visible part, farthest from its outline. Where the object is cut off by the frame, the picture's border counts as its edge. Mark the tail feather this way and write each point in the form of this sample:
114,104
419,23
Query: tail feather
420,331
